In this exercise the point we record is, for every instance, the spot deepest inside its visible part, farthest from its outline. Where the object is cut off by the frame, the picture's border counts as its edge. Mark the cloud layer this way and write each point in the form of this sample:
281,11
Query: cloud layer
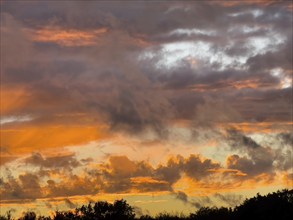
145,97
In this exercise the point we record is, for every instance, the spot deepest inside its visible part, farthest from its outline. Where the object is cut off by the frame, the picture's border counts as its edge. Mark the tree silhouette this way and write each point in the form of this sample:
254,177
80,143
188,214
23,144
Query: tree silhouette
29,216
274,206
7,217
99,211
277,205
206,213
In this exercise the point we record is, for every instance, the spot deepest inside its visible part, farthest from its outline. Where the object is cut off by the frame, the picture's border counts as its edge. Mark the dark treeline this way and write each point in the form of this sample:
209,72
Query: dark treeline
274,206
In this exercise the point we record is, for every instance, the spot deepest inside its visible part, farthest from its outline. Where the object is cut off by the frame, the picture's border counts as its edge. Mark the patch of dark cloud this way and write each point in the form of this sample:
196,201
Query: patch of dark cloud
73,186
257,159
51,71
124,175
197,168
182,196
231,200
198,202
238,140
26,186
16,48
201,202
87,160
281,58
286,138
62,161
267,105
69,203
170,172
49,205
137,99
250,166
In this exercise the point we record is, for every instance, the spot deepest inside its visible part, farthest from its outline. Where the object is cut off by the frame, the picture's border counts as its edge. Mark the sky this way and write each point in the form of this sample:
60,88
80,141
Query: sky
171,105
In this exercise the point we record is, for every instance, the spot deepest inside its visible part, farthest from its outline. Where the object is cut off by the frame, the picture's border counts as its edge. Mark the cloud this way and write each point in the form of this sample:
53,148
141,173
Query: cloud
189,74
27,186
198,168
136,95
239,140
69,203
60,161
286,138
182,196
15,44
231,200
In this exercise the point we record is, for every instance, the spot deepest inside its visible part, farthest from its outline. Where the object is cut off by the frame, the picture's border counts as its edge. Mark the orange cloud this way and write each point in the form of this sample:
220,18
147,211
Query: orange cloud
229,84
6,159
13,98
68,38
26,139
259,127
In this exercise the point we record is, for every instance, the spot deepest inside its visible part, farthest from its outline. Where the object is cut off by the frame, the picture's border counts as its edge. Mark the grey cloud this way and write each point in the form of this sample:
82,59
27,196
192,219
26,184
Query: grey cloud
261,104
122,174
50,71
253,165
182,196
69,203
286,138
16,48
259,159
115,85
281,58
239,140
109,83
197,168
73,186
62,161
231,200
27,186
171,172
